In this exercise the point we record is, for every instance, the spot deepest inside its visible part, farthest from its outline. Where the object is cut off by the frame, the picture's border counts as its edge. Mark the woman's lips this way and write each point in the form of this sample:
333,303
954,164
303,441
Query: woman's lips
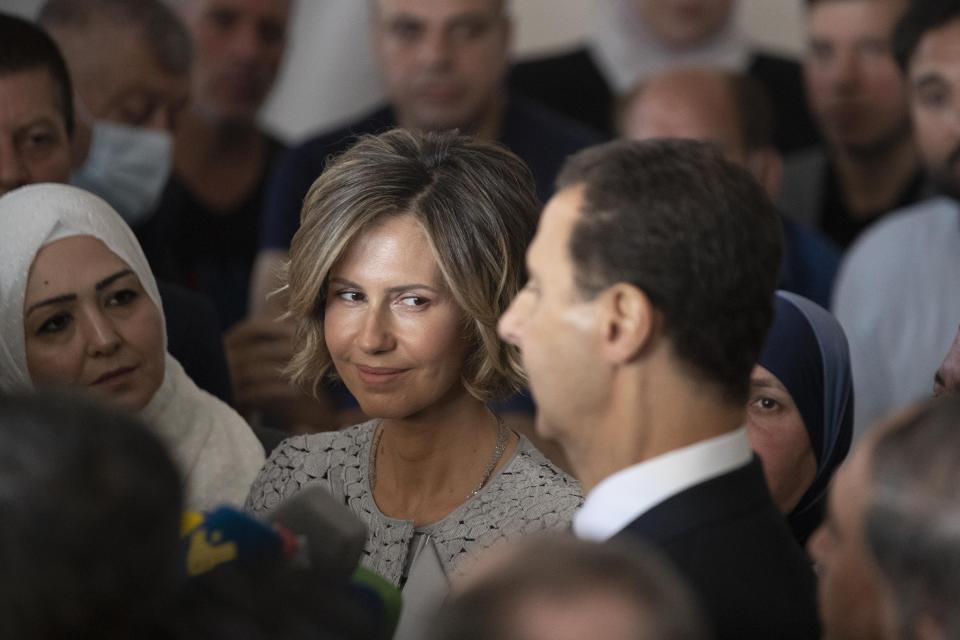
115,375
378,375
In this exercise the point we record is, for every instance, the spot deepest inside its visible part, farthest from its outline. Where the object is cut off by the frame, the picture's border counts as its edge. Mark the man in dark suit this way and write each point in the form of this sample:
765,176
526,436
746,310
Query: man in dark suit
651,283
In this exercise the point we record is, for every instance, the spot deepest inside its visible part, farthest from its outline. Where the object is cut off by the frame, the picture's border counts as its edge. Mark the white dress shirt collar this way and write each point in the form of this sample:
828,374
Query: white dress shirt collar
622,497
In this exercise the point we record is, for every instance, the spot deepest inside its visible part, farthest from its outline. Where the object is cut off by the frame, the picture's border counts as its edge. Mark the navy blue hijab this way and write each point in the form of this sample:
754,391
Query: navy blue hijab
807,351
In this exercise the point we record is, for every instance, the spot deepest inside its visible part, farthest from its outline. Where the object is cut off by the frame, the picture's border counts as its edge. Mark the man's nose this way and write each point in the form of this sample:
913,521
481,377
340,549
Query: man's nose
509,325
845,69
246,43
435,48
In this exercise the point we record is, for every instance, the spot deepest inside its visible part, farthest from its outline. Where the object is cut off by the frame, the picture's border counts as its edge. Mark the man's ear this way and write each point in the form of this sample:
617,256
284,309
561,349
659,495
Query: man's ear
629,322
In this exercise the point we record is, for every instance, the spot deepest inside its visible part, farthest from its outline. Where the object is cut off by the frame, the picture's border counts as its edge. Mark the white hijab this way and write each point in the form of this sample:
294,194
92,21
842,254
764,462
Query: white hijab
628,52
218,454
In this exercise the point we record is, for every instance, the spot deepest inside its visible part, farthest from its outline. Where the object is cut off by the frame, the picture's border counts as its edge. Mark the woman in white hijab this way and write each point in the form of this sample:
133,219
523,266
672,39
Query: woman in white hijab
79,307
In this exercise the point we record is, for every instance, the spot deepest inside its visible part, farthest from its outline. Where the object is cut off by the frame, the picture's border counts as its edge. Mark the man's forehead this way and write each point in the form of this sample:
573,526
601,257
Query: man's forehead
852,18
34,89
260,6
557,221
938,49
696,107
436,9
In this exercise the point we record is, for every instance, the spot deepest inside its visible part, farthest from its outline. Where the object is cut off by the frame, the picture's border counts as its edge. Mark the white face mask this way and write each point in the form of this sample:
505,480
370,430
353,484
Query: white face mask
128,167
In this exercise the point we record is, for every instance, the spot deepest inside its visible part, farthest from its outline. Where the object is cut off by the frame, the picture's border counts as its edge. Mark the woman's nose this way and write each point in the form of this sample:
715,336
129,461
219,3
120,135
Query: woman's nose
376,335
101,333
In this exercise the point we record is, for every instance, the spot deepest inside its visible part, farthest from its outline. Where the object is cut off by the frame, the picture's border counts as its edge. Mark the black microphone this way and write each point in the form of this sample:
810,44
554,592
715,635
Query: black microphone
329,535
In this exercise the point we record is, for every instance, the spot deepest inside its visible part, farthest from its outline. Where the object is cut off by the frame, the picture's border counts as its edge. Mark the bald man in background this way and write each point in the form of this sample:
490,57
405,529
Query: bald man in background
731,111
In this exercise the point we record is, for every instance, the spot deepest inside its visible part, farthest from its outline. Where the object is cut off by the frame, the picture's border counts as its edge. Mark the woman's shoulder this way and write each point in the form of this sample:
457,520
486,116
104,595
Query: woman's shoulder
326,441
330,458
529,495
531,468
535,489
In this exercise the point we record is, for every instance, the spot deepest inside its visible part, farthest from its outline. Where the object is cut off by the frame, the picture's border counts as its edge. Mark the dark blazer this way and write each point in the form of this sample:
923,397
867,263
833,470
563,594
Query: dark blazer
727,539
193,338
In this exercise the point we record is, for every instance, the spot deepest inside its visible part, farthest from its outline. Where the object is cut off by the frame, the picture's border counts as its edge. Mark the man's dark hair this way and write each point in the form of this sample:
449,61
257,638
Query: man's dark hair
27,47
164,33
90,512
920,17
912,522
695,233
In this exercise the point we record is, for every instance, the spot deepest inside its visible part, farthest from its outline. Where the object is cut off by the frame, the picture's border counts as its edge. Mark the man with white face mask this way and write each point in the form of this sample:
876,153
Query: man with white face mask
130,64
36,134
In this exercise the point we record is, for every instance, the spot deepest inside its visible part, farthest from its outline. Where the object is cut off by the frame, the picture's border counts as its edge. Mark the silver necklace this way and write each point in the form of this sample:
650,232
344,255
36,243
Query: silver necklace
502,437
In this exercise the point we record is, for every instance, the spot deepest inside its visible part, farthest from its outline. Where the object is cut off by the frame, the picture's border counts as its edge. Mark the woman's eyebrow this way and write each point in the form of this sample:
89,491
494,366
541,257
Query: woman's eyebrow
106,282
70,297
396,289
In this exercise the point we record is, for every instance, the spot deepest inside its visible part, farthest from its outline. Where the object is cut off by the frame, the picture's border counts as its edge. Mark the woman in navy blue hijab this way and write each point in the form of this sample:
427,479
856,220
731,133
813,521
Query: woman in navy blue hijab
800,414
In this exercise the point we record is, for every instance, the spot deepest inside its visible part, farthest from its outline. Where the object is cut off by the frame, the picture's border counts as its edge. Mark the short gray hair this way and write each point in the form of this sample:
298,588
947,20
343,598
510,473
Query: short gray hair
561,570
912,524
162,30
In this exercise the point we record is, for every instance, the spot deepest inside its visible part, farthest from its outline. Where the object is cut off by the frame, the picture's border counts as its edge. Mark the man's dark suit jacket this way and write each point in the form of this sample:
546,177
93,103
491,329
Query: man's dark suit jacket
193,338
729,542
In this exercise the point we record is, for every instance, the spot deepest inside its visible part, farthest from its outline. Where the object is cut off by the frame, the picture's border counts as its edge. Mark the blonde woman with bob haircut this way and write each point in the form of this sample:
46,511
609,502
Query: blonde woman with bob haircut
410,247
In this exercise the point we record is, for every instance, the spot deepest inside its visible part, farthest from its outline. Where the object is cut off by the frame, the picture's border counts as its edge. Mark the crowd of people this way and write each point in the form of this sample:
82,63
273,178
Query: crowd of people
652,338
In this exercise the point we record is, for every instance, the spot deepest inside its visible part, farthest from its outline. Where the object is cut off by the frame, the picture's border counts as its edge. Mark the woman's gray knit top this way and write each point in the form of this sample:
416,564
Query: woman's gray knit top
529,494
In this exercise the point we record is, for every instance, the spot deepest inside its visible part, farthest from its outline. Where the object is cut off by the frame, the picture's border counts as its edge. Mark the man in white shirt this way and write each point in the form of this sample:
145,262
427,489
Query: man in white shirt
651,284
897,295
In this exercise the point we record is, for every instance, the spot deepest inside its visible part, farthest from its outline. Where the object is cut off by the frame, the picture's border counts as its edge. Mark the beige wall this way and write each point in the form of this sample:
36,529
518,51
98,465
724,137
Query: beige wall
543,25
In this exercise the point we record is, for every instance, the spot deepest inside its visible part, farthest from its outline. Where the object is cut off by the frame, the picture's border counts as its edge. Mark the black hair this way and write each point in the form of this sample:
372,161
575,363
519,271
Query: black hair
692,230
920,17
90,512
27,47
